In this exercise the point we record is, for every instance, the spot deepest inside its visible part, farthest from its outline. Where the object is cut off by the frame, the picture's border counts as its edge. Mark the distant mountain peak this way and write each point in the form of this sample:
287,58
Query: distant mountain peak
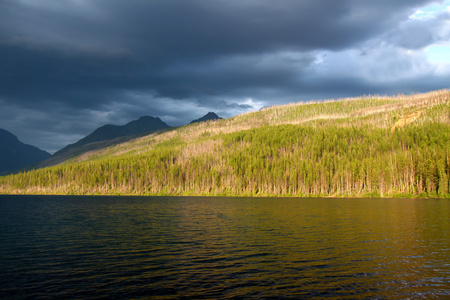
15,155
209,116
143,125
147,118
212,114
6,135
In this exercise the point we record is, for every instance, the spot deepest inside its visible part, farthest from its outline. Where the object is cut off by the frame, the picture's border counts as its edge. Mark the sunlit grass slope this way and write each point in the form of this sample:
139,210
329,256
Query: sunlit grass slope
370,146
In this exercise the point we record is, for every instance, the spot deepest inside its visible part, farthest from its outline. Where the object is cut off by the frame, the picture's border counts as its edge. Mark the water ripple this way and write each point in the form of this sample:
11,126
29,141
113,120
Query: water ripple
222,248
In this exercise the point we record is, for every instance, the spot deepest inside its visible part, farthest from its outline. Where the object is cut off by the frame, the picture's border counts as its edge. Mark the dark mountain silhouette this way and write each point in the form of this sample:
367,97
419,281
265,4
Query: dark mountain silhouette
143,125
15,155
107,135
207,117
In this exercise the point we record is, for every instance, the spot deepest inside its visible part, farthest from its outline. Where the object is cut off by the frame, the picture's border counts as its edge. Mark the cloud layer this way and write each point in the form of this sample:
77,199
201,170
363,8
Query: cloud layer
70,66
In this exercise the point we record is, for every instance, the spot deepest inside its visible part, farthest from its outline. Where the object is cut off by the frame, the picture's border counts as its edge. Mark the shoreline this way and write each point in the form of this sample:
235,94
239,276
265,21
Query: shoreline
362,196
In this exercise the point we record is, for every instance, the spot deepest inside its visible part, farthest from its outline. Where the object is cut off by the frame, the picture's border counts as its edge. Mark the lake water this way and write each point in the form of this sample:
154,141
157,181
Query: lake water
216,248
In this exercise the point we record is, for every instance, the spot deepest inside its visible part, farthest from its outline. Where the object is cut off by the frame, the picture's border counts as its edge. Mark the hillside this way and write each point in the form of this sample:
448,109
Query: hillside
15,155
373,146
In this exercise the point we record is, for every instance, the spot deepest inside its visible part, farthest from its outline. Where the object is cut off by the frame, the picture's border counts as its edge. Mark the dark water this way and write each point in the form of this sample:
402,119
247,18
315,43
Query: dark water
167,247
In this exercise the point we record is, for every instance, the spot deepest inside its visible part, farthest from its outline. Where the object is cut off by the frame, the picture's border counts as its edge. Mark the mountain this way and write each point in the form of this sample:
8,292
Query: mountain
358,147
15,155
141,126
105,136
209,116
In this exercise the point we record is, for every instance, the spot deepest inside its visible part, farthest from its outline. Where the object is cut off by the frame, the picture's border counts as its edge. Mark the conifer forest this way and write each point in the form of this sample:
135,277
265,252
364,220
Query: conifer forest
370,146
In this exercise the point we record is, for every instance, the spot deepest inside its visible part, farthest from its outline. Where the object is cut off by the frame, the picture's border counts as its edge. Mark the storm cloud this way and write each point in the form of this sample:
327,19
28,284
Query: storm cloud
70,66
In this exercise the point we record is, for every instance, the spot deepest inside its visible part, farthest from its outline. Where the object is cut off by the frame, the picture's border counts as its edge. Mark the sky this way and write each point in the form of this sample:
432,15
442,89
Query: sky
68,67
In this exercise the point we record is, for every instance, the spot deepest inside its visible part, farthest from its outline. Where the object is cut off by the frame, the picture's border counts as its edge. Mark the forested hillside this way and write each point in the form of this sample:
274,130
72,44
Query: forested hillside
372,146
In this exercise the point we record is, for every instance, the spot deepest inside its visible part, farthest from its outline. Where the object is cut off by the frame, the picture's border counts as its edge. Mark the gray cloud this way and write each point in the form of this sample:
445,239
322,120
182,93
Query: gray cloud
70,66
418,33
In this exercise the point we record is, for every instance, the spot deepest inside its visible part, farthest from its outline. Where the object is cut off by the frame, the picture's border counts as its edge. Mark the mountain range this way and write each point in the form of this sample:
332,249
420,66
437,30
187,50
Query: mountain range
15,155
143,125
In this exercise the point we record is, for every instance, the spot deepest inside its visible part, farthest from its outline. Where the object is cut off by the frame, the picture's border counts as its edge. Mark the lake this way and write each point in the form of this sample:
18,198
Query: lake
223,248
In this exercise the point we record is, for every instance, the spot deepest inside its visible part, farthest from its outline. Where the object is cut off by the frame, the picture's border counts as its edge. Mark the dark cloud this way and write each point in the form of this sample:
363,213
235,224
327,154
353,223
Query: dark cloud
70,66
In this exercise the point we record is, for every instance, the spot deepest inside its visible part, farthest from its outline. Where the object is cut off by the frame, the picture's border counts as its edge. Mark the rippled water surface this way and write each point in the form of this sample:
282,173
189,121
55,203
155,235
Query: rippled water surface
193,247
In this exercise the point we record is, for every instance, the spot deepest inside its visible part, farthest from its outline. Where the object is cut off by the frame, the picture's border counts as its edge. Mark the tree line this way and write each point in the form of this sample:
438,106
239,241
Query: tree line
282,160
